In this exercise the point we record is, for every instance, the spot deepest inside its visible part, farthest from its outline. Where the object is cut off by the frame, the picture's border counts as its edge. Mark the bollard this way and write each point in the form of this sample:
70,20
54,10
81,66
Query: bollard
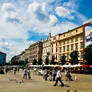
68,90
75,91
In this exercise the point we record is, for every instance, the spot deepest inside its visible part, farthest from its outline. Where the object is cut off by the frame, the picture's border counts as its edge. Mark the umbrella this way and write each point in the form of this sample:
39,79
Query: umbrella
85,66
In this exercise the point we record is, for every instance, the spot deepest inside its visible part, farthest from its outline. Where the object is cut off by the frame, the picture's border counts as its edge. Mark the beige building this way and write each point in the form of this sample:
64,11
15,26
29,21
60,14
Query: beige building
67,42
46,48
54,47
35,51
23,56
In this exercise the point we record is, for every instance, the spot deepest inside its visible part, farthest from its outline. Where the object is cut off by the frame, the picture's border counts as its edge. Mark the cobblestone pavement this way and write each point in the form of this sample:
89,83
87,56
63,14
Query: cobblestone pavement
15,83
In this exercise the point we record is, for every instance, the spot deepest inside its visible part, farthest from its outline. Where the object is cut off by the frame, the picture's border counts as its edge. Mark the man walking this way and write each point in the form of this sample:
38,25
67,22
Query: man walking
58,77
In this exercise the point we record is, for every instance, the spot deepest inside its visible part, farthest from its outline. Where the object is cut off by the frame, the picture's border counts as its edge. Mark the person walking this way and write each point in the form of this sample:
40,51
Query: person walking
54,74
66,74
15,70
25,74
45,74
58,77
50,75
28,72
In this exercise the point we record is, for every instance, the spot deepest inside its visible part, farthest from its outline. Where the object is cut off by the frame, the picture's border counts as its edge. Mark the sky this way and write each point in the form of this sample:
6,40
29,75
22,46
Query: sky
23,22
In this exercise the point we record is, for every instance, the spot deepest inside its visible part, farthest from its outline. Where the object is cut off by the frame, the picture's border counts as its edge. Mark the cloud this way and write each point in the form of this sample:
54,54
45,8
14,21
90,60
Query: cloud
71,4
20,17
13,36
39,11
10,13
64,12
61,11
8,7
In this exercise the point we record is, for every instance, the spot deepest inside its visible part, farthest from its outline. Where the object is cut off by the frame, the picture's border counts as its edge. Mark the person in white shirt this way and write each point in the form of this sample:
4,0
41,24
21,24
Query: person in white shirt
58,78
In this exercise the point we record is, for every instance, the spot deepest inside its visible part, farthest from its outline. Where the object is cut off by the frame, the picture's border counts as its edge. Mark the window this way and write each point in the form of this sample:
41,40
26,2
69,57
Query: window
72,46
56,57
82,36
56,49
64,42
76,46
60,44
67,41
67,47
76,39
56,44
81,54
63,48
81,45
76,30
52,49
72,40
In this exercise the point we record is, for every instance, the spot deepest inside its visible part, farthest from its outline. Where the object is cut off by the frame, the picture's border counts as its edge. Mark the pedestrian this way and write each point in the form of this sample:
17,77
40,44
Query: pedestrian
45,74
69,76
29,75
58,77
50,75
54,74
25,74
66,74
15,70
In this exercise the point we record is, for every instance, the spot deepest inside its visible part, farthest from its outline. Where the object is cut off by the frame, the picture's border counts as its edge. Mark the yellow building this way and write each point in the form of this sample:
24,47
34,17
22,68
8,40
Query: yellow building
67,42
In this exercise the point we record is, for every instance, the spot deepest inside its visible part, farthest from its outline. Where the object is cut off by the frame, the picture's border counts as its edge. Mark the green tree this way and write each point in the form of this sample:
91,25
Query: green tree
40,61
34,62
53,60
14,60
63,59
88,54
74,57
47,60
26,61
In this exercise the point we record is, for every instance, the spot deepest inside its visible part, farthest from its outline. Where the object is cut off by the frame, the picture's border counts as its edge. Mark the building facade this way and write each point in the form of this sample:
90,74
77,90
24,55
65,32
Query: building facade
35,51
2,58
54,47
71,41
67,42
23,56
46,51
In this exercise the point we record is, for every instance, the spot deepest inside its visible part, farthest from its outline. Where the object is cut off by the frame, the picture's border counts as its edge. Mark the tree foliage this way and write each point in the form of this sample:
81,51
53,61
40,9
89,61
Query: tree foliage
40,61
16,61
53,60
74,57
34,62
63,59
88,54
47,60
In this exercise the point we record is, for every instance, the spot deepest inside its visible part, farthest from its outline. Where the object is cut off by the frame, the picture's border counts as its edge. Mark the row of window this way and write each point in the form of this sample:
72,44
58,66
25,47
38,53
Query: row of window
70,33
32,52
32,48
72,47
80,55
46,50
46,44
72,40
34,56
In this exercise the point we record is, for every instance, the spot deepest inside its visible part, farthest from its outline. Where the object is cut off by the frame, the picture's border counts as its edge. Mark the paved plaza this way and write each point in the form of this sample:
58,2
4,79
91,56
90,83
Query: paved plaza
14,83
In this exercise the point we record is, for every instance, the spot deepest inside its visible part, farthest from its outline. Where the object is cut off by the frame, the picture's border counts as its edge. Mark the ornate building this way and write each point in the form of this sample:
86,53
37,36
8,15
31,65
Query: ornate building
35,51
46,48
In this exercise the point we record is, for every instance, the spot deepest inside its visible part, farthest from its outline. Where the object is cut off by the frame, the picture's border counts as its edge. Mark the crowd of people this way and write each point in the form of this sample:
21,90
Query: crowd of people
52,74
26,74
56,75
